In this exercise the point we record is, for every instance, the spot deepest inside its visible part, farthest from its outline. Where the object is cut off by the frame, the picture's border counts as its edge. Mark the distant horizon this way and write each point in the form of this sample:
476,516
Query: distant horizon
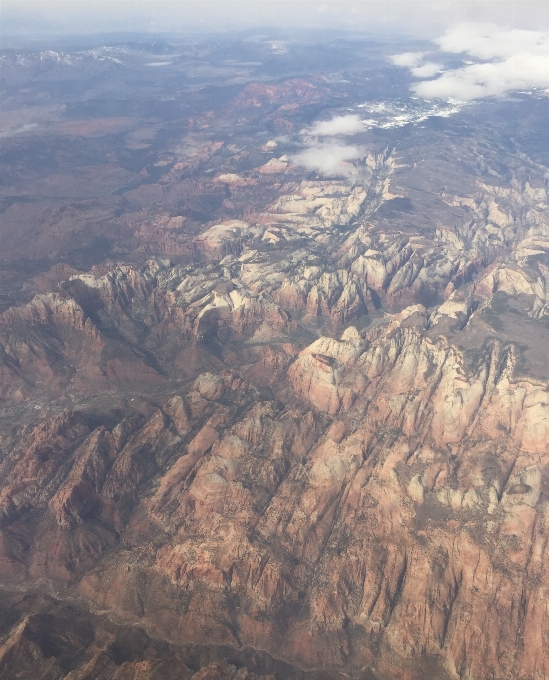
422,19
466,61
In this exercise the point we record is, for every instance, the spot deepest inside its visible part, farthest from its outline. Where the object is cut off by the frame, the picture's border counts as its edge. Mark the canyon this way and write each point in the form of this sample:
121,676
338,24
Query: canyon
282,425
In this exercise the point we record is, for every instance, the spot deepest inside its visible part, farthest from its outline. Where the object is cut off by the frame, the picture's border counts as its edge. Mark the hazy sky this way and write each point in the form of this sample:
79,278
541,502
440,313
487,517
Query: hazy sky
424,19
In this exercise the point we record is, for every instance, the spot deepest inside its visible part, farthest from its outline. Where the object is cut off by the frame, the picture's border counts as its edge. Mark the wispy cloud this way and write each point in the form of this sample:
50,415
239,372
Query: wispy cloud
500,61
337,126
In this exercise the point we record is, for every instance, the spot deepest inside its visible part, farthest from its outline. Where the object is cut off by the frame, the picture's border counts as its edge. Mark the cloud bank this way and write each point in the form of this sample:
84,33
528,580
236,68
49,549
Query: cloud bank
500,61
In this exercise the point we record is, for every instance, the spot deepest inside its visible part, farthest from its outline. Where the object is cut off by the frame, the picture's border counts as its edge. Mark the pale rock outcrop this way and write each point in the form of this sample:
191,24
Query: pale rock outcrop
210,386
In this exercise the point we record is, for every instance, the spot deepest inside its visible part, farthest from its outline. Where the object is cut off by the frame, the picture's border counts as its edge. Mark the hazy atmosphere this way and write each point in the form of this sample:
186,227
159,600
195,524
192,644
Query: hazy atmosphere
423,19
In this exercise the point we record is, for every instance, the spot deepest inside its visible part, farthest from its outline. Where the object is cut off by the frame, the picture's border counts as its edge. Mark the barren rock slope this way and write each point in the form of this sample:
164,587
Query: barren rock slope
288,426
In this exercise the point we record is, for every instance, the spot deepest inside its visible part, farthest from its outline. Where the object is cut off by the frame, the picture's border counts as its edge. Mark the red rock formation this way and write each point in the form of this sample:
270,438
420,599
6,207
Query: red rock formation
257,94
211,450
405,524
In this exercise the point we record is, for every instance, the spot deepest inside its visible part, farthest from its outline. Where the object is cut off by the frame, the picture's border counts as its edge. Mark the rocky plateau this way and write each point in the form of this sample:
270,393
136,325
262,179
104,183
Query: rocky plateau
287,425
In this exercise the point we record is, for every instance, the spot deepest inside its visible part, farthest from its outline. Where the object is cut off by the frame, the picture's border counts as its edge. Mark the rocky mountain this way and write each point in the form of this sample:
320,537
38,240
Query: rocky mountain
284,425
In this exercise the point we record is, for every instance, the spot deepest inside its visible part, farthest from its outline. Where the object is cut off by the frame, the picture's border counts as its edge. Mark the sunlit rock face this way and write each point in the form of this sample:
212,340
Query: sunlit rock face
261,420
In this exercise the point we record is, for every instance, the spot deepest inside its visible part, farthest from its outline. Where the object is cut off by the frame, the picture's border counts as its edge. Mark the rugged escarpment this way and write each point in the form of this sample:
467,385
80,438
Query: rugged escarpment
286,426
406,511
372,500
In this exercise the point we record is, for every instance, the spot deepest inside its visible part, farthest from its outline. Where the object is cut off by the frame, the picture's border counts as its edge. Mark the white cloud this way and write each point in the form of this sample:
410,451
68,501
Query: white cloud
489,41
330,158
337,126
511,60
427,70
409,59
415,62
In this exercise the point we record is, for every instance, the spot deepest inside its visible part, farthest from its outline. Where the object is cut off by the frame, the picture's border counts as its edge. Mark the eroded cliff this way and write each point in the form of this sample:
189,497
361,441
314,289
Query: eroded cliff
287,425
